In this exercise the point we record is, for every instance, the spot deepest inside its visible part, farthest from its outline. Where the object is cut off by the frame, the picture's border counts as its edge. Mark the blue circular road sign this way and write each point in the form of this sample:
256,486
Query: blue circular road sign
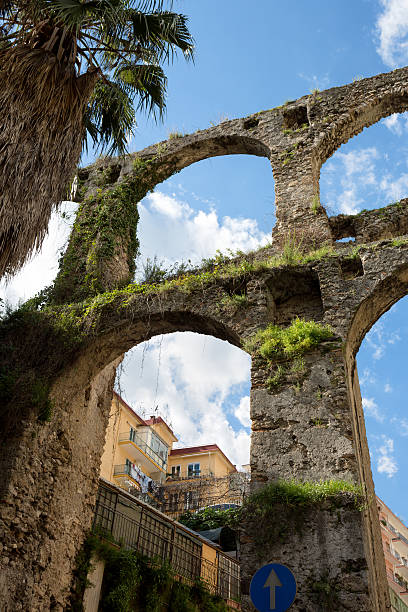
273,588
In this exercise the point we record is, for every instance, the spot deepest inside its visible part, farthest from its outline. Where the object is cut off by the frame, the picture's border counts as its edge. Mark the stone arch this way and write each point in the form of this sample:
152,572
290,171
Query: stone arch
103,244
116,339
196,147
392,286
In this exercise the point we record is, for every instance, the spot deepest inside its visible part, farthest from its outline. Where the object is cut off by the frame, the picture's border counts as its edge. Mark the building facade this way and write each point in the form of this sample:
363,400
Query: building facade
200,477
139,457
136,451
395,544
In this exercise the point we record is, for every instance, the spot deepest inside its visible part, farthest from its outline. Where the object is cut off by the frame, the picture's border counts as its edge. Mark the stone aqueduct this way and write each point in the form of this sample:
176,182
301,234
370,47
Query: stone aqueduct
50,469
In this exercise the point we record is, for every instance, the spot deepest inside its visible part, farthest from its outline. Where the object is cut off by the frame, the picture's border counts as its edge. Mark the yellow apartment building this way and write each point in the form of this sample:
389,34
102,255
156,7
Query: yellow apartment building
202,476
136,451
198,462
139,457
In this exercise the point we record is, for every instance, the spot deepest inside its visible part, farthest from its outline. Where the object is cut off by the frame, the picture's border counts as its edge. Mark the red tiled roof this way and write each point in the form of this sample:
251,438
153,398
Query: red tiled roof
205,448
154,420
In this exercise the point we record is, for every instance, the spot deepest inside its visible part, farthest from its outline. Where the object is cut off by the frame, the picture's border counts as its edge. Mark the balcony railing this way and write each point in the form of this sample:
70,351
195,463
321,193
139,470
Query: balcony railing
131,436
156,538
190,475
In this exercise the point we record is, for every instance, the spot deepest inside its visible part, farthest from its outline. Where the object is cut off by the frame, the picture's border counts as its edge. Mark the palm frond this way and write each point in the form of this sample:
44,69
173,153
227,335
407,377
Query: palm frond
161,32
146,82
111,113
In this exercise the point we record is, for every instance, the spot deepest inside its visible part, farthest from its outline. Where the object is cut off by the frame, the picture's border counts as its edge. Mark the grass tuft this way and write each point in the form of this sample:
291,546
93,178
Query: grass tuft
294,494
275,342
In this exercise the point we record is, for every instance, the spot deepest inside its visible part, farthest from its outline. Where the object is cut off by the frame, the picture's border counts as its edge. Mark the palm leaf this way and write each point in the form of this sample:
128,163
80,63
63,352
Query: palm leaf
111,114
162,32
147,82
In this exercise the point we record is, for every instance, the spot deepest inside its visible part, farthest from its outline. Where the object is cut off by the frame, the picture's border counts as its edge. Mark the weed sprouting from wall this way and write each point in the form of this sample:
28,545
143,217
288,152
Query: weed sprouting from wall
276,342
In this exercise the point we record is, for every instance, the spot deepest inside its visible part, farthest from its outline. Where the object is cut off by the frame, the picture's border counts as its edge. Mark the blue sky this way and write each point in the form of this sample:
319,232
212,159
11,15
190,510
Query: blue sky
249,59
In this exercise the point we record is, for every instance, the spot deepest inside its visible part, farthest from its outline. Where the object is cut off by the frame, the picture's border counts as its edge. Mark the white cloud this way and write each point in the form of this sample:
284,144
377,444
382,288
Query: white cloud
393,123
402,426
41,270
379,337
316,82
394,189
387,388
371,409
242,412
367,378
192,379
392,31
386,463
174,231
357,171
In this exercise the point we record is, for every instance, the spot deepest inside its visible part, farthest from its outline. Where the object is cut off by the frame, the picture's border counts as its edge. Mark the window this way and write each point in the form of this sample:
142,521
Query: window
193,470
175,471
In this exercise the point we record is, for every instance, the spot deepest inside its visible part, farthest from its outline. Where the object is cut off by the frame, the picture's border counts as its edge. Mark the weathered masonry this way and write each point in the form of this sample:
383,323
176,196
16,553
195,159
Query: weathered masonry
59,354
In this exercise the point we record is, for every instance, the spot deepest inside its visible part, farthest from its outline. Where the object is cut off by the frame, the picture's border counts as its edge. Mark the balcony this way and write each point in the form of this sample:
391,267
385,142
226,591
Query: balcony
139,450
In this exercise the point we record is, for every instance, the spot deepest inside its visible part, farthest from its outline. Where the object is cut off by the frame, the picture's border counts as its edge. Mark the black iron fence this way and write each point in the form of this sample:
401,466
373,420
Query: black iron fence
179,503
135,526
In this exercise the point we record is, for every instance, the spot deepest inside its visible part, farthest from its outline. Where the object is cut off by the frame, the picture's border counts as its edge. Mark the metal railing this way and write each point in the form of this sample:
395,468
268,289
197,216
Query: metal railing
131,436
193,474
158,539
174,507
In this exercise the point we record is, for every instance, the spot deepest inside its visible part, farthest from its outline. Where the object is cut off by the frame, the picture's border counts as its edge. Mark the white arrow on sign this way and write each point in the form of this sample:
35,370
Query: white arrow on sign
271,583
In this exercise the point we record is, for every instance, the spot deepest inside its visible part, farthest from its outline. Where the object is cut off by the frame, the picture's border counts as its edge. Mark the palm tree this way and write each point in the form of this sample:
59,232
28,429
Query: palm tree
72,72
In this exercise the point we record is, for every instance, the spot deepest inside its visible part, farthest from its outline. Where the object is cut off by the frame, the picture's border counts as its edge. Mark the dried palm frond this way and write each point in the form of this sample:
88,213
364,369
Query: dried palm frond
40,144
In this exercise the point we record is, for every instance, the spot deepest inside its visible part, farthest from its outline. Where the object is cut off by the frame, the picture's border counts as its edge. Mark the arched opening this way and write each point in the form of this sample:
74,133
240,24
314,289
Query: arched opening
197,388
177,441
222,204
368,171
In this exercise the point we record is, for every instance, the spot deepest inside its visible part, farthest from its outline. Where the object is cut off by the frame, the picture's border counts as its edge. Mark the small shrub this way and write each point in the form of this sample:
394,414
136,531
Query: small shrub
209,518
153,271
301,336
298,366
292,251
294,494
235,301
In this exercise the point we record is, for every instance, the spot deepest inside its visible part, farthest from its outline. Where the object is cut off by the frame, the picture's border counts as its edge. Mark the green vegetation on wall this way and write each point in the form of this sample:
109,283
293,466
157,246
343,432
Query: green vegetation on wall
134,582
105,226
283,507
276,342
